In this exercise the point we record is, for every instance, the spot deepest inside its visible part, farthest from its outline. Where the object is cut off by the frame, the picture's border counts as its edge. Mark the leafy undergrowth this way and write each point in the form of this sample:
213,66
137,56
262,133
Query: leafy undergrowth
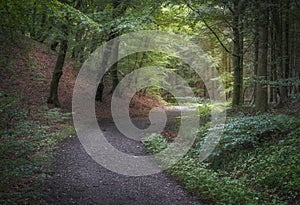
25,150
29,130
256,162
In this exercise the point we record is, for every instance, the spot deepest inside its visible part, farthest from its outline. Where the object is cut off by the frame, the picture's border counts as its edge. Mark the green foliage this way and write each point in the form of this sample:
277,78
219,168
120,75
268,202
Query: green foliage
280,82
296,96
278,172
206,183
7,100
155,143
273,167
256,162
204,111
227,80
24,153
262,150
55,115
212,186
286,123
49,22
247,132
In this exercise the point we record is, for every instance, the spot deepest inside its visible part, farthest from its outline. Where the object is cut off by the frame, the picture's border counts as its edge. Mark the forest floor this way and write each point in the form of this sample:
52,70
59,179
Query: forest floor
26,71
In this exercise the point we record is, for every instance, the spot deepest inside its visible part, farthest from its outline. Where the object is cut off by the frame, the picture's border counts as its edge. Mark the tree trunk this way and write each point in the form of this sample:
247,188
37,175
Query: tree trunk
119,10
114,70
273,57
277,23
284,64
261,102
57,73
256,46
99,93
106,59
237,61
103,66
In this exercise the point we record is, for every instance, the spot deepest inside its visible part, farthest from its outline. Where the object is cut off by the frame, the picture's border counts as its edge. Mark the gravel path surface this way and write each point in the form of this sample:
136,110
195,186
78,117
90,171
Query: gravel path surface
78,179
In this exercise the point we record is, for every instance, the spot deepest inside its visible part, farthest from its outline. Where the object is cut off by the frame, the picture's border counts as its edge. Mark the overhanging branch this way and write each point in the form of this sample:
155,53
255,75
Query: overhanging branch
211,30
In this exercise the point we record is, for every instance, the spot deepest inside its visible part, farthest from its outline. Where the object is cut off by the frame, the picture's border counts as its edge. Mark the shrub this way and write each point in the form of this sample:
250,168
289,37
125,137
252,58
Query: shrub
256,162
155,143
251,132
24,156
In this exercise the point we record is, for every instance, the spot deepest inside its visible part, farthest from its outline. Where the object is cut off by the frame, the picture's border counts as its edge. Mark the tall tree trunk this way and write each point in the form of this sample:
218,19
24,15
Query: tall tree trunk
57,73
261,102
285,64
276,21
237,60
282,46
293,45
286,44
108,50
273,64
226,68
114,70
119,10
256,46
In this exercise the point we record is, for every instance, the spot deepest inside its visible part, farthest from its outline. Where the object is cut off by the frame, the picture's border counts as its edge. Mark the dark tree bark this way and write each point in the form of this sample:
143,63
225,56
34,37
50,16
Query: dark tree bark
104,62
54,45
256,46
114,70
261,102
99,93
238,45
273,57
119,10
277,23
107,55
285,50
57,73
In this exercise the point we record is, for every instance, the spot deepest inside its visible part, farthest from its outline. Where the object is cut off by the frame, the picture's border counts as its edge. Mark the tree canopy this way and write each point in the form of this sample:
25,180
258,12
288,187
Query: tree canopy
229,31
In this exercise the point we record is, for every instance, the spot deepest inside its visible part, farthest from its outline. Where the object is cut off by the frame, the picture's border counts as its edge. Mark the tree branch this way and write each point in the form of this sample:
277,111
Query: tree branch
218,38
211,30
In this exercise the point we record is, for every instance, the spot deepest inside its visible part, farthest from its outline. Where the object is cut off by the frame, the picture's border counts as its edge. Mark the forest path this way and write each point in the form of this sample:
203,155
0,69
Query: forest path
78,179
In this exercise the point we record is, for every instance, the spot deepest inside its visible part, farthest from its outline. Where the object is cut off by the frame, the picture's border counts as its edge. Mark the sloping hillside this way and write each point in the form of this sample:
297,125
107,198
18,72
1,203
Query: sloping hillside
26,69
29,128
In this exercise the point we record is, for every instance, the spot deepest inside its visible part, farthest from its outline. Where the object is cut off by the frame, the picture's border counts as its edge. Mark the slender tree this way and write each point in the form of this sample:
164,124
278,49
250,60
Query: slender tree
58,70
238,50
261,100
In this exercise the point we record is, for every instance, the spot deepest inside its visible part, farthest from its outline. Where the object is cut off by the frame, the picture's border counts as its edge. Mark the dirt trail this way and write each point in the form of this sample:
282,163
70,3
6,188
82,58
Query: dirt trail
78,179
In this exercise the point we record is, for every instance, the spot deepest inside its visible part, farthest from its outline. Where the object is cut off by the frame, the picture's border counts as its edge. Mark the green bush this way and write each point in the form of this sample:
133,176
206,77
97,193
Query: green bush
256,162
202,181
276,167
204,111
24,155
211,186
296,97
251,131
155,143
271,162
